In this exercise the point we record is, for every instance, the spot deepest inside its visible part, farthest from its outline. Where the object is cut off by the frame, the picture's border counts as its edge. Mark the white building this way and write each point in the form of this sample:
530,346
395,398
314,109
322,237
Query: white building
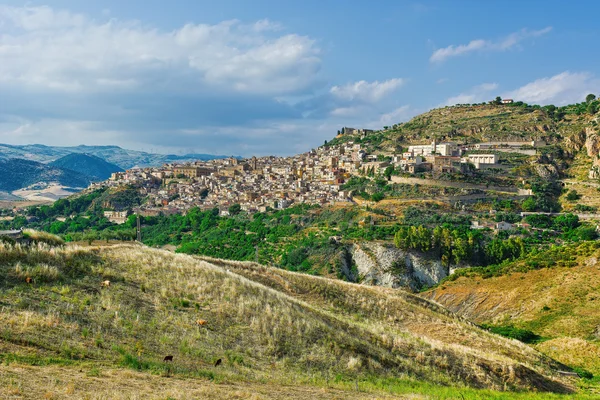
482,159
444,149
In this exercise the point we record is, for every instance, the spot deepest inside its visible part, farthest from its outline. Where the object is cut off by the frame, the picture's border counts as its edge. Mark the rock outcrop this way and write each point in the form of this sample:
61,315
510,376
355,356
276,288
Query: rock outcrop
385,265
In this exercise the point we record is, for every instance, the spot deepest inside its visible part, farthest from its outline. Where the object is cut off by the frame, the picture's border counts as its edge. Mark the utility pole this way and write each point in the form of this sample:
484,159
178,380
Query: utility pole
139,228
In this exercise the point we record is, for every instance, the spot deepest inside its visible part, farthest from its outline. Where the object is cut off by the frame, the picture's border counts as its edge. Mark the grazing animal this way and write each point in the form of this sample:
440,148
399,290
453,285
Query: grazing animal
201,322
105,283
29,280
168,358
218,362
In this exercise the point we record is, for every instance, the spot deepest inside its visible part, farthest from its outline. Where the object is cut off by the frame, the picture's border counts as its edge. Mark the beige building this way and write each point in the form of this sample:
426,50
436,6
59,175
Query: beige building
192,172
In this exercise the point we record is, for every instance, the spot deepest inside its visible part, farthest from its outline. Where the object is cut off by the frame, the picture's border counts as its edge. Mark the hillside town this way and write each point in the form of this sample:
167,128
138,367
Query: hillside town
314,177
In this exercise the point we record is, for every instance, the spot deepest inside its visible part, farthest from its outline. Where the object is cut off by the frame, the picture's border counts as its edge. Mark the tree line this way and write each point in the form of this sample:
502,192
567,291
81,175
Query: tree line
459,246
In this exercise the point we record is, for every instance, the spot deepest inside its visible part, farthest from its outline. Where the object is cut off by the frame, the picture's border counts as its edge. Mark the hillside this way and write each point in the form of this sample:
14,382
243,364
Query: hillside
124,158
563,133
554,294
268,326
480,123
18,173
86,164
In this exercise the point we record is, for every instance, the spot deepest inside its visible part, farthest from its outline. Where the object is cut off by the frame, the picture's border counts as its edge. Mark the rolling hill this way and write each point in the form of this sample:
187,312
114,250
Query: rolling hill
276,332
18,173
554,294
87,164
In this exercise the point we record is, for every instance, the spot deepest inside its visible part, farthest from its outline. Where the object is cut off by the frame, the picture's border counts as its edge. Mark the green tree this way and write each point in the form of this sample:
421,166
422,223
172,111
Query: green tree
388,172
590,97
573,195
592,107
498,100
377,196
460,252
235,209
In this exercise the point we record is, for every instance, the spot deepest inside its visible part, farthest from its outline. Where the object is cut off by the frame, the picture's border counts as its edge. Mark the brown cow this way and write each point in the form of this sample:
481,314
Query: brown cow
29,280
201,322
168,358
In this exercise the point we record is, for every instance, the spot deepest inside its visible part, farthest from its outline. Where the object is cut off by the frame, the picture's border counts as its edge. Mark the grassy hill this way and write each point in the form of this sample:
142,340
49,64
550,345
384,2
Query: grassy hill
283,334
554,294
19,173
87,164
480,123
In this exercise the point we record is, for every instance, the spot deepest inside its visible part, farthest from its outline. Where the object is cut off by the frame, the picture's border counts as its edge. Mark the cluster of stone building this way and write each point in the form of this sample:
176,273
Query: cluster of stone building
451,157
257,184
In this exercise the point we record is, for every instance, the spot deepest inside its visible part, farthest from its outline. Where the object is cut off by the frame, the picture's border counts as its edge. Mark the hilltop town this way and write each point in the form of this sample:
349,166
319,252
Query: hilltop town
314,177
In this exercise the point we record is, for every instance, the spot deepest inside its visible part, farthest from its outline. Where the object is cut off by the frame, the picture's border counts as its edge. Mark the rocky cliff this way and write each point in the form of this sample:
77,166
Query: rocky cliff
383,264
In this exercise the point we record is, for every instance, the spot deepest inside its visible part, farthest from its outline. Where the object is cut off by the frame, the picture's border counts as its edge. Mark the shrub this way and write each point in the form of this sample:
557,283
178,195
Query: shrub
509,331
573,195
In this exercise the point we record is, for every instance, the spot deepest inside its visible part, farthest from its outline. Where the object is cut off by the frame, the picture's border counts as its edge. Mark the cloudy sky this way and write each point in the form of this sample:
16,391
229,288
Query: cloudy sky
274,77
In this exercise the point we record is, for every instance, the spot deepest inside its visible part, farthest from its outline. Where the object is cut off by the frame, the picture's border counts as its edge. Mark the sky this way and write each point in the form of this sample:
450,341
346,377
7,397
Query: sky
262,77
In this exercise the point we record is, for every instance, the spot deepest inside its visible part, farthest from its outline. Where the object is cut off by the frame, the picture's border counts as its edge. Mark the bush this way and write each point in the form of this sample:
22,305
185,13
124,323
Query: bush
509,331
573,195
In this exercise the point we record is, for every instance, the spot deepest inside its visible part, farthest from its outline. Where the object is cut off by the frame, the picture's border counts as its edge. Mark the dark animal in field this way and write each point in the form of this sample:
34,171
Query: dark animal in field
218,362
29,280
168,358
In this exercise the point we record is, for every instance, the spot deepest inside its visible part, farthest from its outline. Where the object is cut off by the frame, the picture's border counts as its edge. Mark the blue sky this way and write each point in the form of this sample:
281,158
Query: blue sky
275,77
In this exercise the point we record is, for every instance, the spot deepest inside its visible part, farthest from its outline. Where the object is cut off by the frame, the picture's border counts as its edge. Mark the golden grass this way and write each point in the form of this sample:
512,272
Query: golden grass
43,237
573,351
266,324
28,382
560,303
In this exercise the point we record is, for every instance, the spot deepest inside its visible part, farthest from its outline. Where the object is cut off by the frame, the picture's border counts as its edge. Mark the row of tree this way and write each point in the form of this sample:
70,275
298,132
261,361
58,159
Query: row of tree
459,246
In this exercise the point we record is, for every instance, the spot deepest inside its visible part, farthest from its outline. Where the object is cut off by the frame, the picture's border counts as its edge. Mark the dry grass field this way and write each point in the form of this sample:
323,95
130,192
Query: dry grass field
561,304
278,334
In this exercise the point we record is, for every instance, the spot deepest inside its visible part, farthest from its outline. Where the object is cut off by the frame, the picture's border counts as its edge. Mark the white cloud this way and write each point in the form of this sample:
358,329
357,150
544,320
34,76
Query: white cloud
564,88
476,94
368,92
506,43
58,50
351,111
225,88
395,116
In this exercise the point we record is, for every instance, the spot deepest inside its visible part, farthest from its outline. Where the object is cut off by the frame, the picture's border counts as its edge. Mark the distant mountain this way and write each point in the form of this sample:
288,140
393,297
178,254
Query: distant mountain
18,173
113,154
94,167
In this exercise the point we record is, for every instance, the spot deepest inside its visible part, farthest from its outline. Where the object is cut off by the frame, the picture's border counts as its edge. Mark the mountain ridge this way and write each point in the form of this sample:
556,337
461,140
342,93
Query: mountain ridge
117,155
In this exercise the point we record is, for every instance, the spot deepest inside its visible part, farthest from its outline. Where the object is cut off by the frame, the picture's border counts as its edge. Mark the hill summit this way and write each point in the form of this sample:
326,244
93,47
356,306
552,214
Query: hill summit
87,164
